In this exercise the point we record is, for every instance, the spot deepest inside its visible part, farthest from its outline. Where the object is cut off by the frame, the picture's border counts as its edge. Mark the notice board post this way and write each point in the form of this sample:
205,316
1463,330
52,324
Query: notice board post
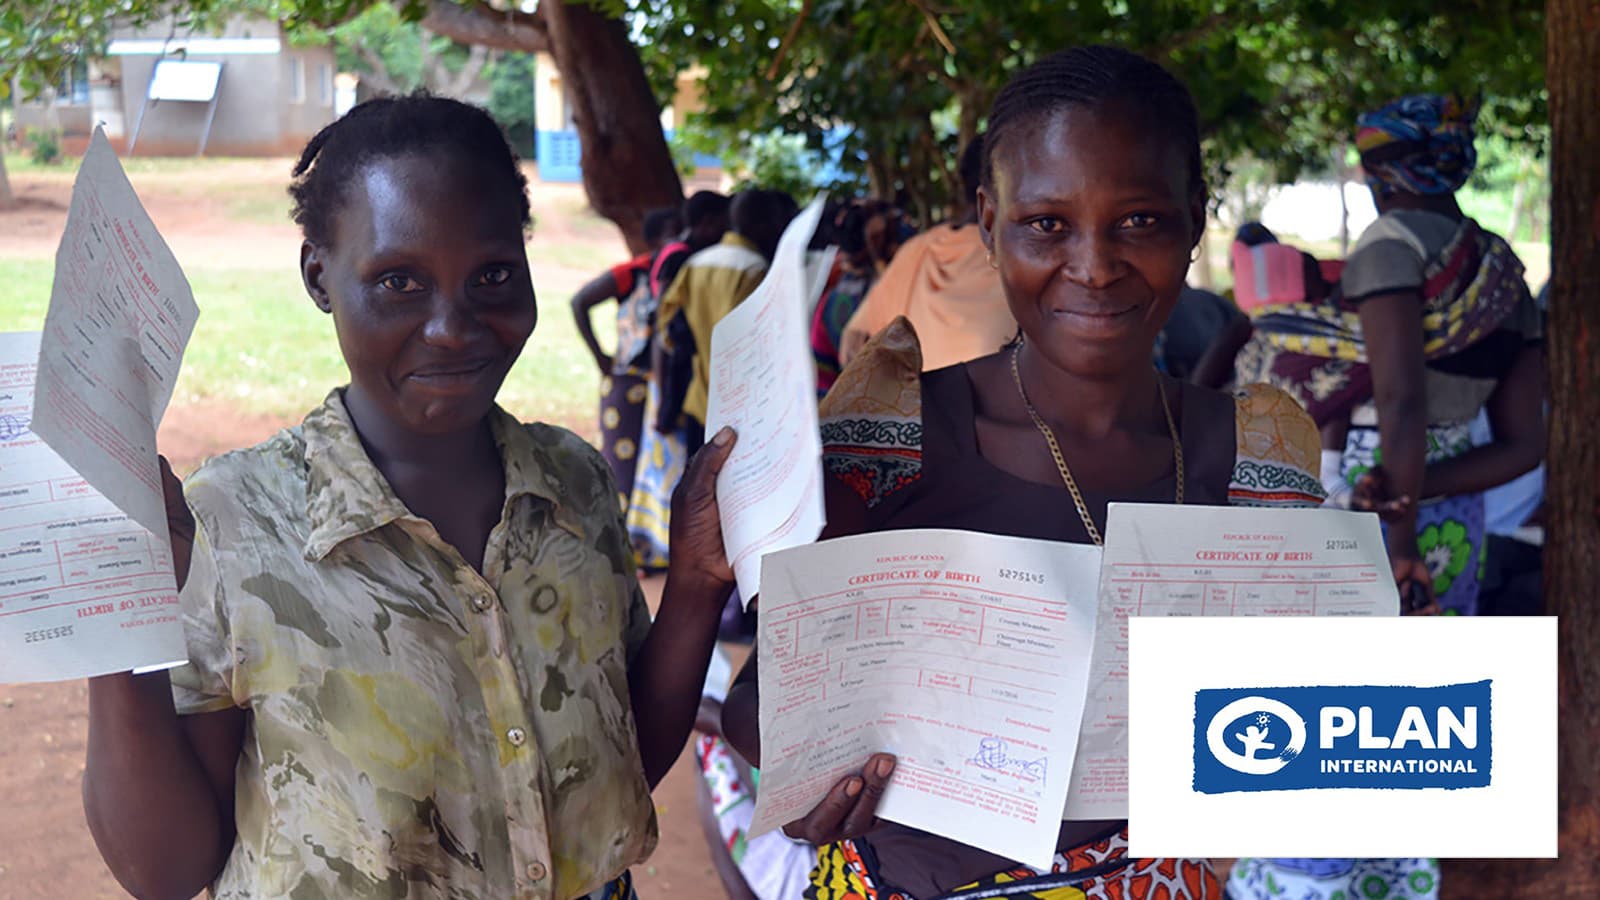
185,82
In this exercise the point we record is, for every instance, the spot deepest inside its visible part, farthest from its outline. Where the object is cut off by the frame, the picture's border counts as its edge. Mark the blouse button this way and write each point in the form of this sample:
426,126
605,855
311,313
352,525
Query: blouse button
517,737
536,871
481,603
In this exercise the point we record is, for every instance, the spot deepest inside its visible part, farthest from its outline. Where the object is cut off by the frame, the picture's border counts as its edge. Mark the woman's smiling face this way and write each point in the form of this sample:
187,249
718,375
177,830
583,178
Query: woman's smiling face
1091,216
427,279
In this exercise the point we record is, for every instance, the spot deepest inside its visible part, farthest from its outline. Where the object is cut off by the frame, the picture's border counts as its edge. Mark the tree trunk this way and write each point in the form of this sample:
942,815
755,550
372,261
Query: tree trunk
1571,566
627,166
1344,173
8,200
1344,218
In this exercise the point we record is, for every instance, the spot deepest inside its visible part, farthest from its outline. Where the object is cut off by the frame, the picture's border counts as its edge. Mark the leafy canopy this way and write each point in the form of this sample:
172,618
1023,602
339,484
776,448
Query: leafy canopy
910,80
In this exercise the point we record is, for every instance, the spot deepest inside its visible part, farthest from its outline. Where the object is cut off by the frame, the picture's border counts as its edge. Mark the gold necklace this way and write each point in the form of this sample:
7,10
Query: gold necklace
1061,462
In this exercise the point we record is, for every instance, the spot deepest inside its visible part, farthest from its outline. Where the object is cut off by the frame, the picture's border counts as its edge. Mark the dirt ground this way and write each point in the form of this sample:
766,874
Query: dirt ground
45,848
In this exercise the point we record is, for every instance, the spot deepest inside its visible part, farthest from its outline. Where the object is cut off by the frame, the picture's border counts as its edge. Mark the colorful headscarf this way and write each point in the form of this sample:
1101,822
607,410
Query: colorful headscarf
1419,145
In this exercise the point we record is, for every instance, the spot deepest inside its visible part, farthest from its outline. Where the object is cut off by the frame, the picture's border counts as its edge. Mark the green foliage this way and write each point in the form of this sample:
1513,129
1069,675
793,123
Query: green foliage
1277,81
41,39
511,98
44,145
398,54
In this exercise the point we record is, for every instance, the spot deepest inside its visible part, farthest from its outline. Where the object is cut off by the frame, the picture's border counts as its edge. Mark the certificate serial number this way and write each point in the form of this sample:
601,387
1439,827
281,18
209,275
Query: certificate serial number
1342,545
46,634
1024,577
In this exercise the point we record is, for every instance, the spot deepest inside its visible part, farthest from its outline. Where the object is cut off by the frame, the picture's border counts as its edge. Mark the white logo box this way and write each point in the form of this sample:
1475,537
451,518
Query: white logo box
1171,659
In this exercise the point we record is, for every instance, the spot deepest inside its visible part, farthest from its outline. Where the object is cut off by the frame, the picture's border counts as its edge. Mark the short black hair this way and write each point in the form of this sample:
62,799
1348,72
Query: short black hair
704,205
389,127
1254,234
662,223
1096,76
753,209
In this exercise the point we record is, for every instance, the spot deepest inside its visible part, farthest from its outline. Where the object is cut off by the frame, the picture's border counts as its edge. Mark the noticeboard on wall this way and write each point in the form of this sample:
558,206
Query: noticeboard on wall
177,79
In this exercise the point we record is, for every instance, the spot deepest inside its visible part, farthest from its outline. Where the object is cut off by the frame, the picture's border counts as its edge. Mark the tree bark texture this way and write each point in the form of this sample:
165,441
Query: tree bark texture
1571,560
481,25
627,166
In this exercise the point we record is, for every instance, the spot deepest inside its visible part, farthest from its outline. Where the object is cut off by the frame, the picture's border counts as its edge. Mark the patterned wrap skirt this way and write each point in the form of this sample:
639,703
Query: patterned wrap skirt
622,398
1451,531
662,458
1102,870
1334,879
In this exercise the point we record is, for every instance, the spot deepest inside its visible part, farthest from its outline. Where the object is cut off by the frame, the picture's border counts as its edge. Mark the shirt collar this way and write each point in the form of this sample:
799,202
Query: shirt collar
734,239
346,495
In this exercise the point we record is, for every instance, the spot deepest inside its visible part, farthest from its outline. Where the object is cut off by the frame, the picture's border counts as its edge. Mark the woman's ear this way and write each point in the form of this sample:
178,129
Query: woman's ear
311,272
986,216
1197,218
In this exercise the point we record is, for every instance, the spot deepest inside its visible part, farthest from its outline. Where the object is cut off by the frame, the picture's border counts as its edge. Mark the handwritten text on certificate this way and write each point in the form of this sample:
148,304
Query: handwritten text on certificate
84,590
1163,560
121,313
963,654
763,383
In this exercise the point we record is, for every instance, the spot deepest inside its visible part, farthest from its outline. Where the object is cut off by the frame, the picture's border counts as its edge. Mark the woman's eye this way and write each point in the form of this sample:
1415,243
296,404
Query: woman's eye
400,284
496,276
1047,225
1140,220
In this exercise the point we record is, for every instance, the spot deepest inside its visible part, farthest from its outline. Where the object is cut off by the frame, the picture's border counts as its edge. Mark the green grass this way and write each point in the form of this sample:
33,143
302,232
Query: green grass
262,347
21,162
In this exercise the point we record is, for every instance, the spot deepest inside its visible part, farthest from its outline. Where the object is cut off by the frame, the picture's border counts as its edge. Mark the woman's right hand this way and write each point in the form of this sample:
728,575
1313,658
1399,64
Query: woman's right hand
850,809
180,522
1412,578
1373,494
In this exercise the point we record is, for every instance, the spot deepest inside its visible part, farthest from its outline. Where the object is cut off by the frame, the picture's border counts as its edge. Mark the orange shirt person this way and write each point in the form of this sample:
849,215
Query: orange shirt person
945,283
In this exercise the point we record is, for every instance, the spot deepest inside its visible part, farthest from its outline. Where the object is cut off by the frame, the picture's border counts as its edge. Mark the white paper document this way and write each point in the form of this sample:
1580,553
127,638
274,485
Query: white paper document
764,384
963,654
1164,560
121,313
84,590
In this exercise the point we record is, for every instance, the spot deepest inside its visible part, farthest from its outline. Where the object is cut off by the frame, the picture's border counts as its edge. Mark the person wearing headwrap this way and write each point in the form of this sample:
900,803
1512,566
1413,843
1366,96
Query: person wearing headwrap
1419,145
1431,323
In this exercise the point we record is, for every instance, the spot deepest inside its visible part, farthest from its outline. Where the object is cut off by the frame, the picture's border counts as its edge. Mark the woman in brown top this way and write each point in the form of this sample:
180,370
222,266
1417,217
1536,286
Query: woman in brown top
1092,202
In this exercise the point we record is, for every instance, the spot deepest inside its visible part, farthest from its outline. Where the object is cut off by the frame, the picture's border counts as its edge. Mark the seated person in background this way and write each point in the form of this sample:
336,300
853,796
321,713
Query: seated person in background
714,281
1199,320
624,377
1265,273
420,665
946,283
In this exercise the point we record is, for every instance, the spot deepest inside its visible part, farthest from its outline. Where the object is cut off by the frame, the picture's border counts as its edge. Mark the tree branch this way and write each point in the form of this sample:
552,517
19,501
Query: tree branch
377,71
1212,24
481,25
477,58
934,26
788,39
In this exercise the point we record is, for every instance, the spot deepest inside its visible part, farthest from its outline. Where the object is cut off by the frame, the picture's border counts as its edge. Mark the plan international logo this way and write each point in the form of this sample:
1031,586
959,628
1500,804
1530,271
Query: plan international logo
1301,738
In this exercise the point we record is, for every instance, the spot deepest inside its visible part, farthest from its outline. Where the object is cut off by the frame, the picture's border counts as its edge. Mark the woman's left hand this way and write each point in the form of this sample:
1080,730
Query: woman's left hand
695,537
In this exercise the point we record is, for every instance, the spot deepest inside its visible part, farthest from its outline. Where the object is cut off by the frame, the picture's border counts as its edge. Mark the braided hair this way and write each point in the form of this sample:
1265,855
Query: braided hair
388,127
1096,77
